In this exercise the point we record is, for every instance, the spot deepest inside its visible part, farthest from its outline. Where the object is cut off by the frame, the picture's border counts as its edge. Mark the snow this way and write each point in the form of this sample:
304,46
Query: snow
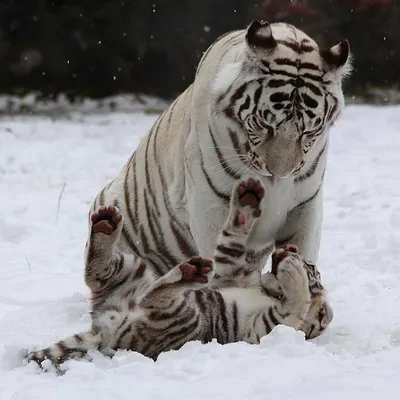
50,170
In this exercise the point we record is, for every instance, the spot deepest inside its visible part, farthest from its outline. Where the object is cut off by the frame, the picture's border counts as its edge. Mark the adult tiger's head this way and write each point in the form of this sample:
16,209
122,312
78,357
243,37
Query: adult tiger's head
286,94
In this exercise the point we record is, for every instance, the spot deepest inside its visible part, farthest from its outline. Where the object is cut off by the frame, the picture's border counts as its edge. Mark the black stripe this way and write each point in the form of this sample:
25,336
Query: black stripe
310,172
238,94
180,231
254,257
78,338
232,252
101,197
310,114
91,250
158,240
133,343
235,327
257,95
296,77
260,313
140,271
309,101
276,83
235,140
279,97
309,66
156,268
245,106
163,315
224,164
122,323
132,217
221,195
200,301
299,48
154,130
296,64
136,190
223,260
315,89
170,340
122,335
272,317
306,201
224,333
266,324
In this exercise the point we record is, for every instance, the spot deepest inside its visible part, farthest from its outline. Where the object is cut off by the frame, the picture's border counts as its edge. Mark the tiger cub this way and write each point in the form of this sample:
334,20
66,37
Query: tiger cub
199,299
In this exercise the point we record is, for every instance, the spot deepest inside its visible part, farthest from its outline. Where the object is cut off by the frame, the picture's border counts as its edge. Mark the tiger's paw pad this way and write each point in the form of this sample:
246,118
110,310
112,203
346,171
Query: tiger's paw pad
106,219
251,192
196,269
280,254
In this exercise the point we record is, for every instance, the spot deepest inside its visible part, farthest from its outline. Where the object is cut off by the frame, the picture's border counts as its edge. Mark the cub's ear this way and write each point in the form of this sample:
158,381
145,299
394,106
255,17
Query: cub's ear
337,56
259,36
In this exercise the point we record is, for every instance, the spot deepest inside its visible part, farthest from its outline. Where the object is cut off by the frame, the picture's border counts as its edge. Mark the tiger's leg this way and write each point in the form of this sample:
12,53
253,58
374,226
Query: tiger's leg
73,347
303,228
230,250
191,274
102,256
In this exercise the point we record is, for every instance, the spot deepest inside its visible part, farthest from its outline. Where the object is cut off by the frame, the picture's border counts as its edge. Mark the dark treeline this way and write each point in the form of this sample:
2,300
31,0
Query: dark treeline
102,47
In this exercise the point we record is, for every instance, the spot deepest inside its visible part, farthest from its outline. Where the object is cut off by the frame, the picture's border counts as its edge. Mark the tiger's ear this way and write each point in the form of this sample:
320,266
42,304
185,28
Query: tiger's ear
259,37
337,57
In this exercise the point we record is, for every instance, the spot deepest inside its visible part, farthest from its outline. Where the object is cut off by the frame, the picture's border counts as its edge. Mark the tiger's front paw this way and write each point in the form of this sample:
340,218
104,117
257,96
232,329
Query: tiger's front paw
246,203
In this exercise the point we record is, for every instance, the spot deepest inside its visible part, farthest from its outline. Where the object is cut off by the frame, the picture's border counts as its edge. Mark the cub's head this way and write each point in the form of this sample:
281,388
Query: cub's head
320,313
286,95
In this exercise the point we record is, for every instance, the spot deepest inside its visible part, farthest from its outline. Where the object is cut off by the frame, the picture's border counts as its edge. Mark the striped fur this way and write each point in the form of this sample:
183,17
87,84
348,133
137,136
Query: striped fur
132,309
262,103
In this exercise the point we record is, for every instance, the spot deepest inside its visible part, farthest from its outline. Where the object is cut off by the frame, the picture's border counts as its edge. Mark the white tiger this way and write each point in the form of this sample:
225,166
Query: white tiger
262,102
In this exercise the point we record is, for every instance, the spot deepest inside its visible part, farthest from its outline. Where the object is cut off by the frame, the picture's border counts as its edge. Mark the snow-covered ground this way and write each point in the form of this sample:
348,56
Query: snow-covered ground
49,172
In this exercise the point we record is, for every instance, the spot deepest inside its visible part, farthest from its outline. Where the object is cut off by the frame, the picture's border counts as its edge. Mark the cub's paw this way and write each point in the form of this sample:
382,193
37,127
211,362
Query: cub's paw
106,220
196,269
40,356
288,267
36,356
280,254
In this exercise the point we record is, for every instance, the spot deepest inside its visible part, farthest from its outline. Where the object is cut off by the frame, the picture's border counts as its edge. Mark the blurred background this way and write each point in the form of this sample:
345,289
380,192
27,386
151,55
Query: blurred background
101,48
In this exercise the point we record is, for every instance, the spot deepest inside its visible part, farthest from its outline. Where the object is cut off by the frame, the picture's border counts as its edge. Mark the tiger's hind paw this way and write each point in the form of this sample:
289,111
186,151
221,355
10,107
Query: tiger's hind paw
106,220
